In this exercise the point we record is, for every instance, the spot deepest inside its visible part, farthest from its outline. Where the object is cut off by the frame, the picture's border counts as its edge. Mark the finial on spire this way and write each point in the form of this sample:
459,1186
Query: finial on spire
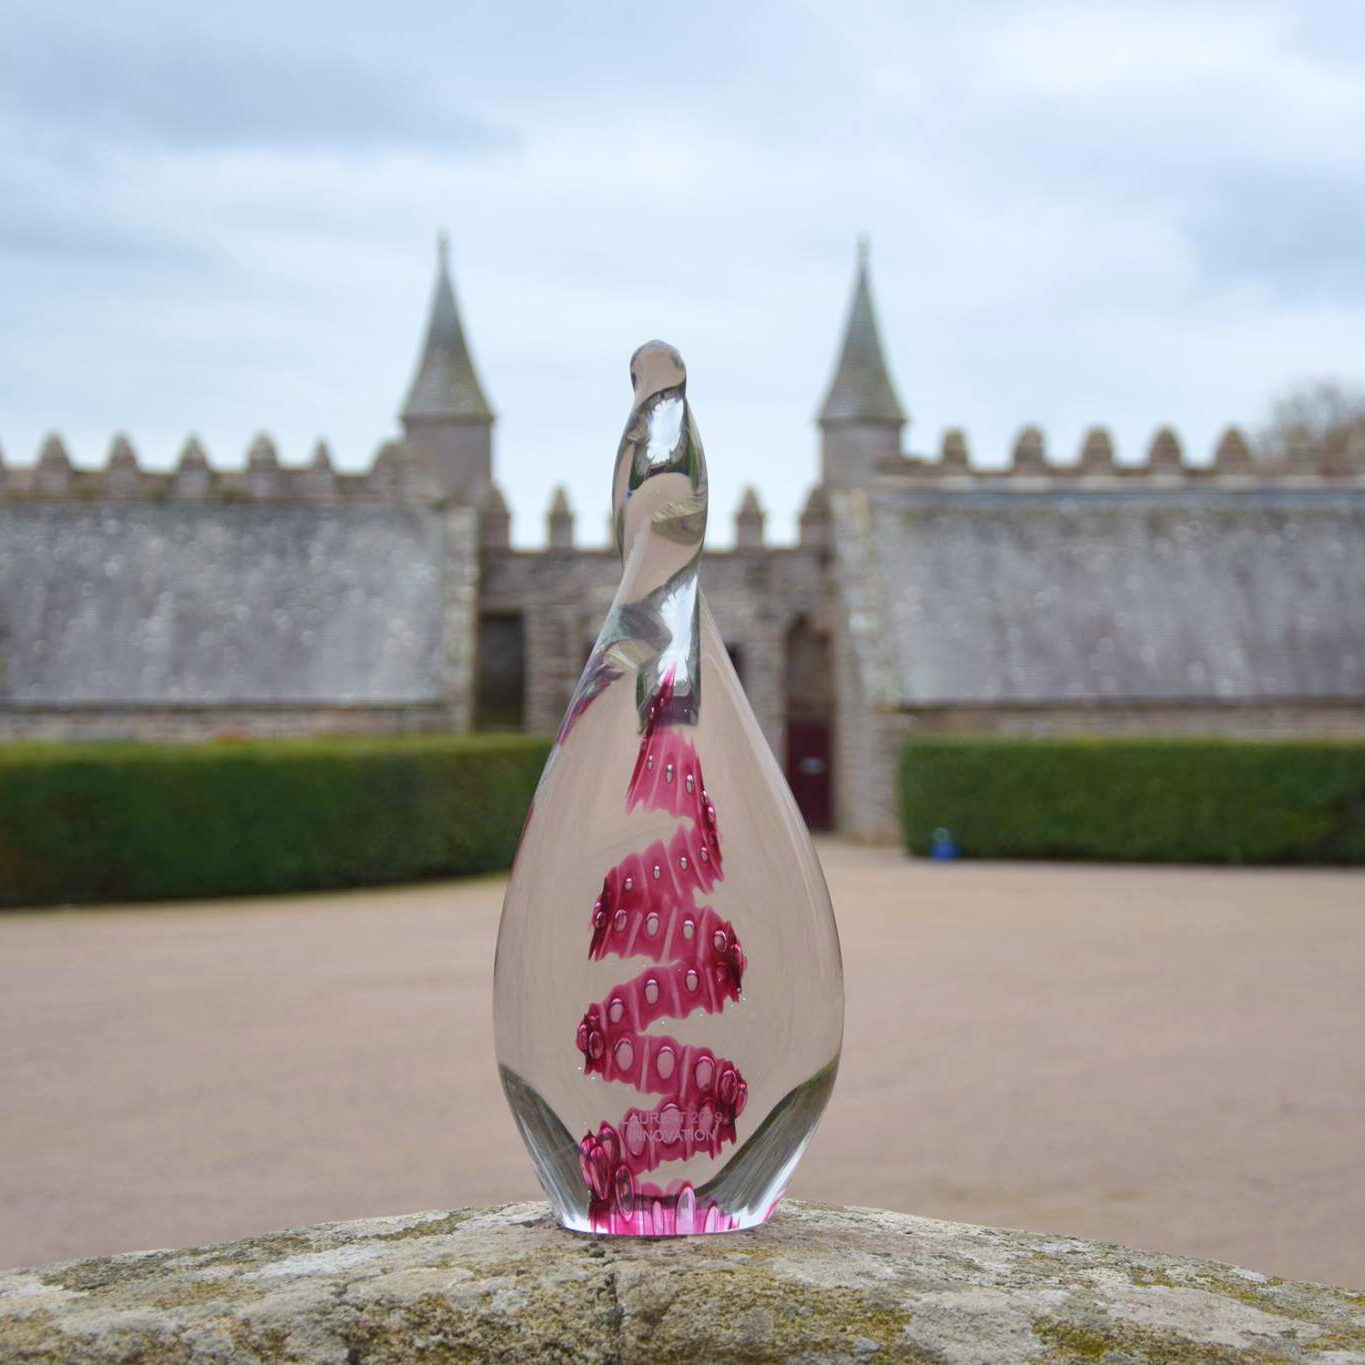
864,250
443,249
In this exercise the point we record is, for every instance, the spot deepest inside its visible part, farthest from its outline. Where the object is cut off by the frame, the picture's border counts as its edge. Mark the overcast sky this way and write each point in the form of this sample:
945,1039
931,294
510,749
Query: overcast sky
222,219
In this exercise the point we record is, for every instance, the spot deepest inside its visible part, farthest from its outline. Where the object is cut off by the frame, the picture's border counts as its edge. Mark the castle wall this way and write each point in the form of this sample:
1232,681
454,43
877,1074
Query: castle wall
273,601
986,606
755,596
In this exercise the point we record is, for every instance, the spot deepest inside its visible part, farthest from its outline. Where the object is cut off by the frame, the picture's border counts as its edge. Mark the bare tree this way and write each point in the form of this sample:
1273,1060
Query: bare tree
1311,421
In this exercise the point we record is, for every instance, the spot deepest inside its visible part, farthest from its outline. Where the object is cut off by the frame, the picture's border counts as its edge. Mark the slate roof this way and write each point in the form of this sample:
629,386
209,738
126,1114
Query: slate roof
977,596
861,390
446,385
175,603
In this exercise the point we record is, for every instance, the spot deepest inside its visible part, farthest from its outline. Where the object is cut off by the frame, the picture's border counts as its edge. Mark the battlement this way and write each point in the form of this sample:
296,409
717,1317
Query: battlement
398,476
395,476
1164,463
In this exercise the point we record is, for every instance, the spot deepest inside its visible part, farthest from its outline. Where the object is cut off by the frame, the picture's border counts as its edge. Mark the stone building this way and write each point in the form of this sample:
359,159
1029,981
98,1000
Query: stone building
922,595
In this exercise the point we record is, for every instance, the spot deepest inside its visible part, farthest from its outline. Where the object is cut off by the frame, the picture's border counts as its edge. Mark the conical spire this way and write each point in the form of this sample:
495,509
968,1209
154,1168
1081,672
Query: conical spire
446,387
861,390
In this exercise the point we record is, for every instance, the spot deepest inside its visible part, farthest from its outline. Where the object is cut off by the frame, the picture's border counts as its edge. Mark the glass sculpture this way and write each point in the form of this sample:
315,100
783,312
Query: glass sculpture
668,997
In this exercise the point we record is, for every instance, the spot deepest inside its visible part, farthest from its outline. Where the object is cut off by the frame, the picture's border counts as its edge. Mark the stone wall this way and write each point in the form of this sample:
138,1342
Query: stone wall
1163,461
220,603
982,605
564,595
1119,594
255,602
816,1283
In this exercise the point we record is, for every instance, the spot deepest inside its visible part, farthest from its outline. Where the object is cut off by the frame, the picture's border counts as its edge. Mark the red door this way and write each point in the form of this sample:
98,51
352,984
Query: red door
808,757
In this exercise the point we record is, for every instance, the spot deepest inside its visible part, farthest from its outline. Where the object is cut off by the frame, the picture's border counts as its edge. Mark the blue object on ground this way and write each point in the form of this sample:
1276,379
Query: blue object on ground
942,846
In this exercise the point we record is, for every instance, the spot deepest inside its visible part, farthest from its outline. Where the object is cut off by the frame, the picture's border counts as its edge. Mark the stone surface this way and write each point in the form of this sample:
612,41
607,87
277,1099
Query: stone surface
818,1283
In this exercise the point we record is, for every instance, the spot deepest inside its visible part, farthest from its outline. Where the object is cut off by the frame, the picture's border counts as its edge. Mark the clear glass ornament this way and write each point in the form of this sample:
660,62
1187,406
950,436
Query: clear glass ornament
668,994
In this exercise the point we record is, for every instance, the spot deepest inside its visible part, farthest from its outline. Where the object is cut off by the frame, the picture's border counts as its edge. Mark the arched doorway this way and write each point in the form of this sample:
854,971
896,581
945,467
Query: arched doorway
810,722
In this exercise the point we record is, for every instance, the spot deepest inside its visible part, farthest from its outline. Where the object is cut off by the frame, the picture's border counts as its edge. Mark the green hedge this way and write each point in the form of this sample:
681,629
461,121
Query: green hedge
1138,800
123,822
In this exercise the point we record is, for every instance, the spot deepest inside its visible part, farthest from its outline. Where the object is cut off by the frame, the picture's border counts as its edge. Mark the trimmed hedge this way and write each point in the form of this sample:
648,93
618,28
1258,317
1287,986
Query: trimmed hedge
125,822
1138,800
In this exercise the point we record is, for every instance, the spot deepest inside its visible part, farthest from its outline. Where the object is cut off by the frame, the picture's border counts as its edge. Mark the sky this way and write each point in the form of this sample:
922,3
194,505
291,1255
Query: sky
222,219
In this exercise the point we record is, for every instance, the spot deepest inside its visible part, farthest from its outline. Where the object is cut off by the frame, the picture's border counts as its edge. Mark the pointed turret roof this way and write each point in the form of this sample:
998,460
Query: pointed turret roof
861,390
445,386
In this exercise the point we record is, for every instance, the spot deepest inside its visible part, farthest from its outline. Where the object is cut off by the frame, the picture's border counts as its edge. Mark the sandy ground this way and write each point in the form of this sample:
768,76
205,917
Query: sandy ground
1169,1058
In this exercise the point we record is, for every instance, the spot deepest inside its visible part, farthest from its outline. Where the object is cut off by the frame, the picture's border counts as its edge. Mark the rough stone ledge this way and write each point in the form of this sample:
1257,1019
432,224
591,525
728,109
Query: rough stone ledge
819,1284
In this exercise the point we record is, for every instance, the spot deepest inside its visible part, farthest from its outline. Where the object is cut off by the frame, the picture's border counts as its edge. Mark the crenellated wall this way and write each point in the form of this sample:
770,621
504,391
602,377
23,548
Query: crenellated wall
395,476
1164,460
263,600
398,474
276,599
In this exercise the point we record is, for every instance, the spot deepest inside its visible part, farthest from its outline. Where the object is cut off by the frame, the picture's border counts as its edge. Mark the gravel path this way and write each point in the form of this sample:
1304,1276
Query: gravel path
1171,1058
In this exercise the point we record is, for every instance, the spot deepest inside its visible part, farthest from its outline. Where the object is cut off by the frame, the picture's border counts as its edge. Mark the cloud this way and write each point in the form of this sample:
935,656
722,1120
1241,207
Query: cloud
36,232
1136,212
174,86
1298,235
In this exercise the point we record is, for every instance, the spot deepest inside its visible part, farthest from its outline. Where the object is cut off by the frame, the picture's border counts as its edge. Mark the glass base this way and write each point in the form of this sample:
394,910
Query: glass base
670,1215
743,1194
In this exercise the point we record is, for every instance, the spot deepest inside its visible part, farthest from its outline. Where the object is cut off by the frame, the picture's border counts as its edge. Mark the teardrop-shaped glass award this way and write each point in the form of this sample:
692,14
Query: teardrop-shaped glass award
668,995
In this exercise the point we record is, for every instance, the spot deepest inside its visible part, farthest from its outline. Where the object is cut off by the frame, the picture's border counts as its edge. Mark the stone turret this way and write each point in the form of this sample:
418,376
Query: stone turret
53,474
1233,455
495,520
262,467
123,478
447,421
1164,455
749,522
815,530
1097,452
861,419
319,480
193,478
559,521
952,457
1030,454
